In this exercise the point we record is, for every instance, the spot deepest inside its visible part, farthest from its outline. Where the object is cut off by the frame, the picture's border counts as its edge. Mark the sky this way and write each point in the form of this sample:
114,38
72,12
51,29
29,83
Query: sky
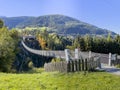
102,13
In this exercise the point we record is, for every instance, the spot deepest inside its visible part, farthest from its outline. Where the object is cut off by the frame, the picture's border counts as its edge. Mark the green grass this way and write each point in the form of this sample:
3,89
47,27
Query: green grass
59,81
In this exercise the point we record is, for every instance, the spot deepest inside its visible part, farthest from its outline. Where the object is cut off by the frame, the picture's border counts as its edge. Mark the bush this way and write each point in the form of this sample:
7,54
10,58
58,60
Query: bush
118,66
57,60
30,65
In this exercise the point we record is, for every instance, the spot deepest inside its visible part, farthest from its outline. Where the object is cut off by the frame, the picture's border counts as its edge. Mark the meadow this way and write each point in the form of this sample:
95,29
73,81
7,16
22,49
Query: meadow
59,81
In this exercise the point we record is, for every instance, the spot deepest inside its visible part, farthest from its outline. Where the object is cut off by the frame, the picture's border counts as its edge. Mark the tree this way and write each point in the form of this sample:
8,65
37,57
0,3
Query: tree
1,23
42,42
7,47
117,39
109,39
82,44
77,42
88,41
14,34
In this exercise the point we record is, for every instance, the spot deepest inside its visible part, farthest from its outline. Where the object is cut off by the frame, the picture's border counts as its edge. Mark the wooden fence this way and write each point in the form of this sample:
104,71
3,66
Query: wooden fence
73,65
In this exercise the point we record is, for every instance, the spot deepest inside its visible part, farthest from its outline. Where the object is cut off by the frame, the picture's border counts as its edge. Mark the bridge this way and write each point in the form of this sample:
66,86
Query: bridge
104,59
67,54
57,54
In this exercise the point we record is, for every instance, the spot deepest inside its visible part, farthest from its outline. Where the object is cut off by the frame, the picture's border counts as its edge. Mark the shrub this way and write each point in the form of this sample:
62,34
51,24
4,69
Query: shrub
57,60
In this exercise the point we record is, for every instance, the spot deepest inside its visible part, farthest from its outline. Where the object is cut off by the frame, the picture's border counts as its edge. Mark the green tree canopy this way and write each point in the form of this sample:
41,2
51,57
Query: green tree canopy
1,23
7,47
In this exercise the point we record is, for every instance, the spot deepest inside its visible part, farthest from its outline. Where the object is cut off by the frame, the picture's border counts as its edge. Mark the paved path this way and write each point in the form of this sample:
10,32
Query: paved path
111,69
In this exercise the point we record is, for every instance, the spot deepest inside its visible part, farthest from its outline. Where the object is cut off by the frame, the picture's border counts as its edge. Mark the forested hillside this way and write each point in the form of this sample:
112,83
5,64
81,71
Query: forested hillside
57,23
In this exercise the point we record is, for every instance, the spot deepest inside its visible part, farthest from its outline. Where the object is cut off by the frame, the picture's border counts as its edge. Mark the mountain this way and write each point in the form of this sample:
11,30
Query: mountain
57,23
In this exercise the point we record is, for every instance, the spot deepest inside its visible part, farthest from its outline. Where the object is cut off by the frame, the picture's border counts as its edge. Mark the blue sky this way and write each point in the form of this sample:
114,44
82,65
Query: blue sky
102,13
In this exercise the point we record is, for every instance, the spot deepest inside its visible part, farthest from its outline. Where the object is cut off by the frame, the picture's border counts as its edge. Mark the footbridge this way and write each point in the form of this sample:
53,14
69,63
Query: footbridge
47,53
68,54
105,59
65,54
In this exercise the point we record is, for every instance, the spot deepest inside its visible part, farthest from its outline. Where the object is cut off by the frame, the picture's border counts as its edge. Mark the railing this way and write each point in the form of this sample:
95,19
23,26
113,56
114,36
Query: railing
60,54
67,54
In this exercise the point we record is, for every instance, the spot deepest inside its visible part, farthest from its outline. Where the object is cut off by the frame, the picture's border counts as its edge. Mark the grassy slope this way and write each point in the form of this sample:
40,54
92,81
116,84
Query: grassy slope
59,81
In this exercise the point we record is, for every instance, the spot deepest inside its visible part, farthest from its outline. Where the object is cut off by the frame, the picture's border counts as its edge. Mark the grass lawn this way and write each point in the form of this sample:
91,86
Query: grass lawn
59,81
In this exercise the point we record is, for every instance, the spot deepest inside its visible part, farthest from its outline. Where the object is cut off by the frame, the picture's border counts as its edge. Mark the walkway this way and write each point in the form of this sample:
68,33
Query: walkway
60,54
111,69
